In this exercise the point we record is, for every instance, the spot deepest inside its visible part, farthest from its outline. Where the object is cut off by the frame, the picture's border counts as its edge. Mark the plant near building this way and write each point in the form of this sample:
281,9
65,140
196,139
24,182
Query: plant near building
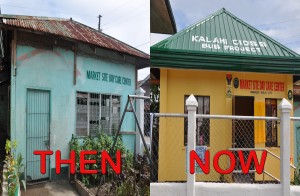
154,98
297,174
99,143
133,180
135,175
15,168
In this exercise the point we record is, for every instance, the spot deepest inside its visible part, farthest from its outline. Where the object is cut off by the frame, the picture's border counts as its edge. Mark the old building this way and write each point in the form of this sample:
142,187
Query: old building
61,78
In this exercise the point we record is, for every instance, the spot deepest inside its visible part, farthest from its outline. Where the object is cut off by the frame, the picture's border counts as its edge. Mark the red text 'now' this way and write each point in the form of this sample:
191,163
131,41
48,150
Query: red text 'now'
245,164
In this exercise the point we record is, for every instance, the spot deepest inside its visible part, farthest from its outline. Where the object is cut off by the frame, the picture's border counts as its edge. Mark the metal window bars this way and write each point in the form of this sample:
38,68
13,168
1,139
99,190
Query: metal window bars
96,113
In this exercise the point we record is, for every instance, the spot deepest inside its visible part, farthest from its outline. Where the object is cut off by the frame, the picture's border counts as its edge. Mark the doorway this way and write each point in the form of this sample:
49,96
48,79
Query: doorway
243,134
37,132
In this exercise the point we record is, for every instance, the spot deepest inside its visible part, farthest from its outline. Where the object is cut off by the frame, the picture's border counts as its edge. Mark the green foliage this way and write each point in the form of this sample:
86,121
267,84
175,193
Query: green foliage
135,175
10,145
15,168
133,181
297,174
98,143
154,98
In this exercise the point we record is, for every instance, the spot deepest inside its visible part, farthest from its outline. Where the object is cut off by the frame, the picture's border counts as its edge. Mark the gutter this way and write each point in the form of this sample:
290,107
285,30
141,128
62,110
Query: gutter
171,16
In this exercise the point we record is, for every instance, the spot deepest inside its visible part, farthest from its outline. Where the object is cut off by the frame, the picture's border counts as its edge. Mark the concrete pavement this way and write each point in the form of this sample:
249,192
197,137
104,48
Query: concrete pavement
54,188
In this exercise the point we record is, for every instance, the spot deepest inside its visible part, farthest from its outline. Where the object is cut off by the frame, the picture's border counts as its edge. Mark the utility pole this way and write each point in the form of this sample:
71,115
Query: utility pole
99,23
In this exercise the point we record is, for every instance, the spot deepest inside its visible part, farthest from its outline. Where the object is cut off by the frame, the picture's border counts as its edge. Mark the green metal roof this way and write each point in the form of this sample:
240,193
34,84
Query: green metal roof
224,42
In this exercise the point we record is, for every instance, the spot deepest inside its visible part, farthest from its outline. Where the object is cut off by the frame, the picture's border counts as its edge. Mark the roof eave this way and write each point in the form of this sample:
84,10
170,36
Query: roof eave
171,15
223,62
10,27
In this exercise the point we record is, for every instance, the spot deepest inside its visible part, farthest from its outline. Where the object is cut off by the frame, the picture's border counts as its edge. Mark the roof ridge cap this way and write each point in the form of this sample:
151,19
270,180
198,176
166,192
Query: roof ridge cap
27,17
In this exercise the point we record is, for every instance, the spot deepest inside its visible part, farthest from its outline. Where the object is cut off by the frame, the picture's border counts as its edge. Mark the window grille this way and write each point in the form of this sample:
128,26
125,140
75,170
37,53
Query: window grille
96,113
202,125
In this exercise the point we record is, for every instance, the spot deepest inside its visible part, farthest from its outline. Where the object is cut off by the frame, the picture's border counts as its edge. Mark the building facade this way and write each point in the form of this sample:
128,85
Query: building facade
66,79
232,69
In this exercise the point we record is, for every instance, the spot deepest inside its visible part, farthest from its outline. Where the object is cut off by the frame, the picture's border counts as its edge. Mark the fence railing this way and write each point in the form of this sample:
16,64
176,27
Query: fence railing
181,133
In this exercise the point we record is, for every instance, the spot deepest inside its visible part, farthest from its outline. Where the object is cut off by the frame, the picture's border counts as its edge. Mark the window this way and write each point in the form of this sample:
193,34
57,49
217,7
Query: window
97,113
271,126
202,125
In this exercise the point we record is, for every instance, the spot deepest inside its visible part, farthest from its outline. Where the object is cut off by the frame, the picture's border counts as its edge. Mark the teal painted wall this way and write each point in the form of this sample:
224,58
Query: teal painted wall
53,70
99,86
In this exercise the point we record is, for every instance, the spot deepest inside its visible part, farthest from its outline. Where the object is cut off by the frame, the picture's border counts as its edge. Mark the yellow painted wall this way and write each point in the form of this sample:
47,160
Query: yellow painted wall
174,84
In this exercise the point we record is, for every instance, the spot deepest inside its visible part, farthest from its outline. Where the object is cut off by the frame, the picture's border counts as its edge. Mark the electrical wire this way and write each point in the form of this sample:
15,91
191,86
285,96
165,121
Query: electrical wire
112,26
279,22
48,10
115,8
125,13
142,44
23,7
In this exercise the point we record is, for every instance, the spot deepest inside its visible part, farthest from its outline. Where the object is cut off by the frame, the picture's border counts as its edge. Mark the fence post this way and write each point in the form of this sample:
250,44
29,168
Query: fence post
140,116
285,113
192,105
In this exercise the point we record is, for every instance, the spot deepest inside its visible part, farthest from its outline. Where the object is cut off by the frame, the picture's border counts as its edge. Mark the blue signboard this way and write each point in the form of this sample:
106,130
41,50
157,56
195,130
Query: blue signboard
200,150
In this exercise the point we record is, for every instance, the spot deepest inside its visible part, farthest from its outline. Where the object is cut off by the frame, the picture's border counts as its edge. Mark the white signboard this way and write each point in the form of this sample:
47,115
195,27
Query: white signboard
200,150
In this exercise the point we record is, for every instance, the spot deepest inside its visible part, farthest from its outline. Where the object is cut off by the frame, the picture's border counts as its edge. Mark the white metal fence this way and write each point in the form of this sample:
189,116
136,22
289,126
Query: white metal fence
214,133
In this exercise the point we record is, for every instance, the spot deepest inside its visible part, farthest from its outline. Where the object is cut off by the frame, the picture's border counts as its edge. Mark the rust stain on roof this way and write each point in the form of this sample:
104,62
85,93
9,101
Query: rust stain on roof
69,28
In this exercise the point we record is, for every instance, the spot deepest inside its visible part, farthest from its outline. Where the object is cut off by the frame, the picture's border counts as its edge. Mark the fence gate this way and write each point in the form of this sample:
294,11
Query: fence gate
37,132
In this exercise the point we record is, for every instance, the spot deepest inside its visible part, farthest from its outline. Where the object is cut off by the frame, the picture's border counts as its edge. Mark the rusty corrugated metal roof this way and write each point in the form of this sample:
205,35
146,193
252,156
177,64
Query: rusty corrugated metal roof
69,28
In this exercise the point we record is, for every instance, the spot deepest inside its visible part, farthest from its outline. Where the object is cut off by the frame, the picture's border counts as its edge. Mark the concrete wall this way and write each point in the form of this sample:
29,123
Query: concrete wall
214,189
53,70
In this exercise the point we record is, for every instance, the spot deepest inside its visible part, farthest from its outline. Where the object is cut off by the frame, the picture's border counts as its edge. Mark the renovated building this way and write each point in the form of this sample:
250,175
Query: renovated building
232,69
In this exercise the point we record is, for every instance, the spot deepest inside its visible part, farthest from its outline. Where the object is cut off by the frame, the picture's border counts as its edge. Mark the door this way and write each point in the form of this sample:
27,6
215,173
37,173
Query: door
243,133
37,132
297,128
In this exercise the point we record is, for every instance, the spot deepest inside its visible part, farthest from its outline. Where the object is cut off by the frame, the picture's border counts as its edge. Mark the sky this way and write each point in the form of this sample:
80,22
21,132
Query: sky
125,20
279,19
129,20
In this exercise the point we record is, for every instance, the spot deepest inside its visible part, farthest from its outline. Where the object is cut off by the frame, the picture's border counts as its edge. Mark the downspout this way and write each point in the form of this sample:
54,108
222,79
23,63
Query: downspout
14,86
